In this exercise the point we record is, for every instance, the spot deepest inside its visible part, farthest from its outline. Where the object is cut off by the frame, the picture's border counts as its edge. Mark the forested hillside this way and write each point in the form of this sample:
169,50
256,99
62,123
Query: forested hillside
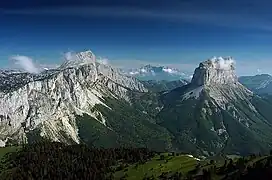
51,160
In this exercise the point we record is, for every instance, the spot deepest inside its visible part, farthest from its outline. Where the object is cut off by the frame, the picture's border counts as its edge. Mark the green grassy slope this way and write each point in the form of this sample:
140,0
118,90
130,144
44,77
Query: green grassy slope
156,166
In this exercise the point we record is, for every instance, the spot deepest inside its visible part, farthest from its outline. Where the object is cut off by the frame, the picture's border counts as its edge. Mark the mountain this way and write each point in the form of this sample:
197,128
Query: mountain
260,84
215,113
163,85
84,101
158,73
81,101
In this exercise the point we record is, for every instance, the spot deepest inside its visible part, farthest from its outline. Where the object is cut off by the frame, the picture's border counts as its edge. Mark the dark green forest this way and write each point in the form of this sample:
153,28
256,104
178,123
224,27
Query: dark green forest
52,160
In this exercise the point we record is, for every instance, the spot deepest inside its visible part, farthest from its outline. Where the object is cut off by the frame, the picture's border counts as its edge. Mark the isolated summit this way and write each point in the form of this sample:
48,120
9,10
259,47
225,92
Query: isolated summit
215,113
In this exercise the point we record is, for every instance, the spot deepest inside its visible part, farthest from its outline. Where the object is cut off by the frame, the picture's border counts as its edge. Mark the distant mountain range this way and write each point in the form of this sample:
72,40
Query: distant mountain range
84,101
158,73
260,84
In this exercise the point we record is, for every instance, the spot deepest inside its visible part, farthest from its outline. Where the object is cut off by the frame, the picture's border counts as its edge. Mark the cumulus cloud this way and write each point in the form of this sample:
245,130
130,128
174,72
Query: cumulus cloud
143,70
223,63
133,72
169,70
26,63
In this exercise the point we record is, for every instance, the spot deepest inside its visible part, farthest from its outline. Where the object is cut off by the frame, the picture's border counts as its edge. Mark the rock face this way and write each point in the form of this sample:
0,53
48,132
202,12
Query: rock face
215,71
79,59
215,113
50,100
217,75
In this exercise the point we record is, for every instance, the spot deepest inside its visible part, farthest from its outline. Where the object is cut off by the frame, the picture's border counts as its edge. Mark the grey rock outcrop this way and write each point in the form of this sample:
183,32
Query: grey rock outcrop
216,70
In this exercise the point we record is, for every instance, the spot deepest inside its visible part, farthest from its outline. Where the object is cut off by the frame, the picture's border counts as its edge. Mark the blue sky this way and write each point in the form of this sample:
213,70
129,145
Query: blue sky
178,33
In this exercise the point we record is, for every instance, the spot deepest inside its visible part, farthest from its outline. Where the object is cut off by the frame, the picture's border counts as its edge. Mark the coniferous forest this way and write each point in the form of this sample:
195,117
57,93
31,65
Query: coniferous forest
47,160
52,160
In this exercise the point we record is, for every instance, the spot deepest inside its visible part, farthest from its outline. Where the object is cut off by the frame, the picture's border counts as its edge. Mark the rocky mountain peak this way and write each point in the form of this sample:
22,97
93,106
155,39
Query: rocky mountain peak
78,59
217,70
86,56
218,106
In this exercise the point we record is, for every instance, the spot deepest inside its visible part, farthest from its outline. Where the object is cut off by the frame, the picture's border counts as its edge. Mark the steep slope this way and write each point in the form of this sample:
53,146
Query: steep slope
260,84
52,104
215,113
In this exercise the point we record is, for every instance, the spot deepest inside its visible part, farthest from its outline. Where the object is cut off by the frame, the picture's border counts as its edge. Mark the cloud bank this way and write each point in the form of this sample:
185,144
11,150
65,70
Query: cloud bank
25,63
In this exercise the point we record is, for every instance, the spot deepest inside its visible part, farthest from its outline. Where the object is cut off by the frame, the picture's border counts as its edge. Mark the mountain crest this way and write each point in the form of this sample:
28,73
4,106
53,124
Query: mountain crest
216,70
78,59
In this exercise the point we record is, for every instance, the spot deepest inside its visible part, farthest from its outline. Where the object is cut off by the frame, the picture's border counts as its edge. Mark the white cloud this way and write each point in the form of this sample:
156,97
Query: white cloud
26,63
169,70
143,70
223,63
133,72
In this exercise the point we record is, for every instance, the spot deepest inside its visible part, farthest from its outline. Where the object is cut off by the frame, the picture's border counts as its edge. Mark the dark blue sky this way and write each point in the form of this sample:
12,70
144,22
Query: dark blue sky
128,33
